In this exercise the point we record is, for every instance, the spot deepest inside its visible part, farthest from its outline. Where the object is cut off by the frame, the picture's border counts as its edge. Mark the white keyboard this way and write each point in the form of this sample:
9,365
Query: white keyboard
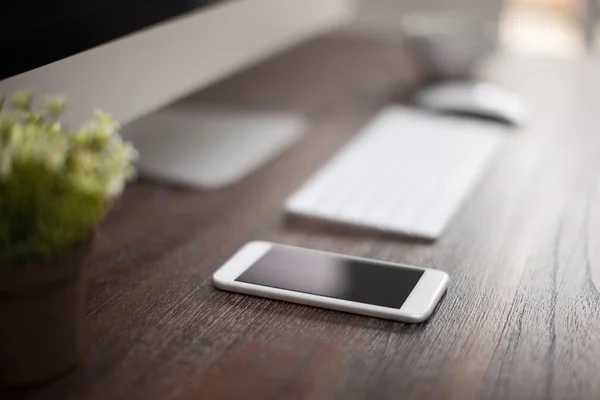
407,172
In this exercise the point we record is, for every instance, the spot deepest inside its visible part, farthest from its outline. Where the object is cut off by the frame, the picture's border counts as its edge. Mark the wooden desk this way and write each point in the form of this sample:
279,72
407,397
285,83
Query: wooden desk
521,319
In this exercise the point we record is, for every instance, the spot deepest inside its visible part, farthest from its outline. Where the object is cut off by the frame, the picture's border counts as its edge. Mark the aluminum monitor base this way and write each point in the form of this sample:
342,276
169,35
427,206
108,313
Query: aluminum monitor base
210,148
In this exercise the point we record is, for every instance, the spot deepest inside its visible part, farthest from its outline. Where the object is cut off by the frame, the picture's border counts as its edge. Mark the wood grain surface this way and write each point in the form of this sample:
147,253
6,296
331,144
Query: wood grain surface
521,319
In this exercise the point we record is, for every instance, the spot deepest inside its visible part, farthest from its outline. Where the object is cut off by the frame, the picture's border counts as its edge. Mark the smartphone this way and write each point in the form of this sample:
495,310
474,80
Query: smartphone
334,281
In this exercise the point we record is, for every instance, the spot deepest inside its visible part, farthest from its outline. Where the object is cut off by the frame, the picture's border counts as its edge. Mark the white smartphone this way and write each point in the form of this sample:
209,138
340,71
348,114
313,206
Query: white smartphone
333,281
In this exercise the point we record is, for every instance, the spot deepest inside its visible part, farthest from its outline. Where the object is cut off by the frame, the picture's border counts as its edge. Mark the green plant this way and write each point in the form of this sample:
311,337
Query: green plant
56,185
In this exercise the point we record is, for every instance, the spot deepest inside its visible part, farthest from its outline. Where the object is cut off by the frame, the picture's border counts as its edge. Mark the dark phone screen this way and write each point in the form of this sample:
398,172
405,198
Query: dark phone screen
332,276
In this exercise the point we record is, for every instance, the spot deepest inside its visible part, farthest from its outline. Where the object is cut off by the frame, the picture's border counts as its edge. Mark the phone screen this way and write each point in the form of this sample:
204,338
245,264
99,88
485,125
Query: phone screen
333,276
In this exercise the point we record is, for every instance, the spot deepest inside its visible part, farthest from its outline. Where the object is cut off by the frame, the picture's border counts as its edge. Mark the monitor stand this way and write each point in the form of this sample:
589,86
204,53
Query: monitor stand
210,148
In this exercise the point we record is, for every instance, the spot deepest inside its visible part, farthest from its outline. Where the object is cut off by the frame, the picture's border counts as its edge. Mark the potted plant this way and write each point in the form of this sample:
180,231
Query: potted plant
56,185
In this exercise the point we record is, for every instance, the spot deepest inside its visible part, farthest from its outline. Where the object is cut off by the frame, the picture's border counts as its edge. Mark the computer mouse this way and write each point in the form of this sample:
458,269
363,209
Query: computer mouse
480,100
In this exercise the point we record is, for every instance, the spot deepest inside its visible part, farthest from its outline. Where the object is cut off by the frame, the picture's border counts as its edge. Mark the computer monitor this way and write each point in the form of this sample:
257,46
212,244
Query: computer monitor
133,58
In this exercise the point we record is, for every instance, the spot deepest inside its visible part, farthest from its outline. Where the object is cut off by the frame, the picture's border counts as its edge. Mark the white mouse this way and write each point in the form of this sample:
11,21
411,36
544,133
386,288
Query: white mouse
474,99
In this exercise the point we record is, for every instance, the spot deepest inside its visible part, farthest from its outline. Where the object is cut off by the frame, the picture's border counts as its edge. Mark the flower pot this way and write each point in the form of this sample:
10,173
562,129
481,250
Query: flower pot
41,318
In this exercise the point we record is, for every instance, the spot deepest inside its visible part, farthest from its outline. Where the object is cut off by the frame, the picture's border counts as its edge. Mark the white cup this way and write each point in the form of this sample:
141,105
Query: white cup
446,45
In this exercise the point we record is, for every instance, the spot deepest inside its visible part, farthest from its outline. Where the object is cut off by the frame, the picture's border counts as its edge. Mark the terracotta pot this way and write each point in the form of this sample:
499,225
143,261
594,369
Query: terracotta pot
41,319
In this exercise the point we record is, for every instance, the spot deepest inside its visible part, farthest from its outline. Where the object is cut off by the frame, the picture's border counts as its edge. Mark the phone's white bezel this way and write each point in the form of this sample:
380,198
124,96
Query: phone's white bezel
417,308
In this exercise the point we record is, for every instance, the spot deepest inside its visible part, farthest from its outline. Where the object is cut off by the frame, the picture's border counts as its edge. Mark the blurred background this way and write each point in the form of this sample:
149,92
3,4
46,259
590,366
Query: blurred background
538,27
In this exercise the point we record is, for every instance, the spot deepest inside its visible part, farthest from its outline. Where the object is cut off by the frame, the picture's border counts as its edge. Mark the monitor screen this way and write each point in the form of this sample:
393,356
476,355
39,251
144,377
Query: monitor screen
34,33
